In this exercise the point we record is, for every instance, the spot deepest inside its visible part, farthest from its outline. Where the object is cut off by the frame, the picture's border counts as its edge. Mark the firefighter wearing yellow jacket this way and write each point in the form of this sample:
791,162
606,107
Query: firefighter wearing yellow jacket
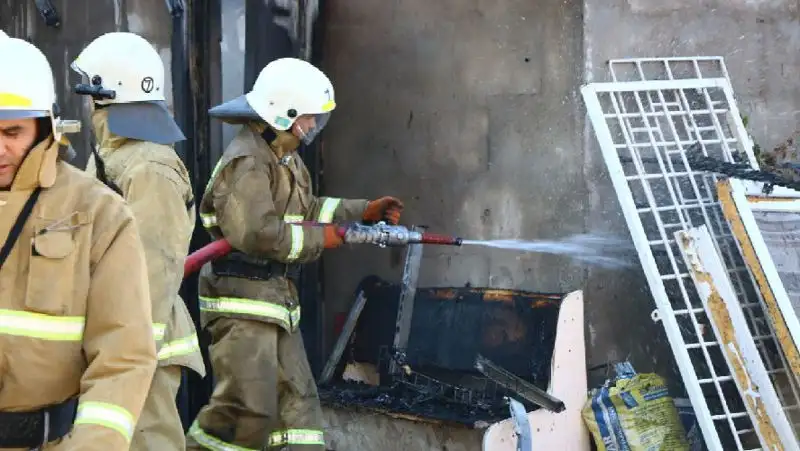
76,341
260,191
134,132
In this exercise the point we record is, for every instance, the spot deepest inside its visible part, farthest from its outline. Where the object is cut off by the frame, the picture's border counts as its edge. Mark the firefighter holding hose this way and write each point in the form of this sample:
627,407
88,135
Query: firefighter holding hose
124,77
258,197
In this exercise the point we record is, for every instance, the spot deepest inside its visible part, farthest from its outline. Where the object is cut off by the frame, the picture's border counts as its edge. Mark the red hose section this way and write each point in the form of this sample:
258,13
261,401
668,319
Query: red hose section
436,238
205,254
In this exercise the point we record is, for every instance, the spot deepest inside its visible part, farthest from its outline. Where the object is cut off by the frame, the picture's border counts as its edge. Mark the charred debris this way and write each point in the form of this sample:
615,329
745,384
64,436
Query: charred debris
467,350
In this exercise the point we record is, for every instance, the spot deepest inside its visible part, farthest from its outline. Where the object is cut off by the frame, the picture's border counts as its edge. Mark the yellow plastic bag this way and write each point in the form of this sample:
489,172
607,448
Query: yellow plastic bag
634,413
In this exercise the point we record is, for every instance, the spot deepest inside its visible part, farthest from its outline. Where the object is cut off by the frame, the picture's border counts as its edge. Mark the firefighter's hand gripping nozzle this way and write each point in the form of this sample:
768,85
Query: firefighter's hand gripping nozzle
383,235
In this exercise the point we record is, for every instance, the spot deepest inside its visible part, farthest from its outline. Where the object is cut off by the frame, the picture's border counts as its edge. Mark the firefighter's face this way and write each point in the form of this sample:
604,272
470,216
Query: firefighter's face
308,126
16,138
303,124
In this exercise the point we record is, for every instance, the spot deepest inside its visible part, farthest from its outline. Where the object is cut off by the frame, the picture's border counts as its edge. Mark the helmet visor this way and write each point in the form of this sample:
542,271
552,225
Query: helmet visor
314,127
16,106
22,114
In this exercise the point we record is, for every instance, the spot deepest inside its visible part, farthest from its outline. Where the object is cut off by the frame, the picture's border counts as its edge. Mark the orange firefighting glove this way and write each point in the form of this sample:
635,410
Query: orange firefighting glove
384,209
332,238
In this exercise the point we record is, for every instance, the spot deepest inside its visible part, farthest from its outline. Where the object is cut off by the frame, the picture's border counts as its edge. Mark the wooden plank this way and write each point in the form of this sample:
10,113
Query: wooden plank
344,338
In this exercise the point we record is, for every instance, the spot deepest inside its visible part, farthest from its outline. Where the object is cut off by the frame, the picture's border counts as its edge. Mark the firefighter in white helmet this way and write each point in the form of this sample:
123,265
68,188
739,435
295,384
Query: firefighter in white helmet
257,198
77,345
124,76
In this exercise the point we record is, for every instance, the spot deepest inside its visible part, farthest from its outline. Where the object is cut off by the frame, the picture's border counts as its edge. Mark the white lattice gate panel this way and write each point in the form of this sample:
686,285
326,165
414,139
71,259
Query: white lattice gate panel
644,129
683,68
675,68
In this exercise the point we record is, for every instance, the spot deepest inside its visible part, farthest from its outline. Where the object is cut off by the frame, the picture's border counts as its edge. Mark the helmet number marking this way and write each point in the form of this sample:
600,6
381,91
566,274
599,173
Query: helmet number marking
148,84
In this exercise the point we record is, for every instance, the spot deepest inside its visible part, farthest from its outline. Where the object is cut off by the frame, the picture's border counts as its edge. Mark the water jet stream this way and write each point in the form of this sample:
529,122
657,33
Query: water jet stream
588,248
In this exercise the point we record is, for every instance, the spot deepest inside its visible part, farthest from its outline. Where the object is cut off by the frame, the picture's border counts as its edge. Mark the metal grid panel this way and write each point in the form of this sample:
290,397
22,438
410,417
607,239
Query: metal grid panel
643,128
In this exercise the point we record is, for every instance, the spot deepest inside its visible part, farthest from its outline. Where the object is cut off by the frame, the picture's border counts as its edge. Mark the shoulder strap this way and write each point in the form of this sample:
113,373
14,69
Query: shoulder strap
16,229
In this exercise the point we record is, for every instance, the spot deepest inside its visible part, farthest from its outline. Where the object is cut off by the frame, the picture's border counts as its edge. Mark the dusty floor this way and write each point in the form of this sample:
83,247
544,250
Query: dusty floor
362,431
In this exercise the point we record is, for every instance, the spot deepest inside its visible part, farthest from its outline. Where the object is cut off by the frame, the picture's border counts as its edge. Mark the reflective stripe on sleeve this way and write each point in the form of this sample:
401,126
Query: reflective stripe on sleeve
297,242
180,347
328,209
297,437
39,325
107,415
293,219
158,331
214,173
288,318
210,442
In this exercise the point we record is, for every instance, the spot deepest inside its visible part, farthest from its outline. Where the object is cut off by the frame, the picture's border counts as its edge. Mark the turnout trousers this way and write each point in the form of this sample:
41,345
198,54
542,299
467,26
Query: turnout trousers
265,396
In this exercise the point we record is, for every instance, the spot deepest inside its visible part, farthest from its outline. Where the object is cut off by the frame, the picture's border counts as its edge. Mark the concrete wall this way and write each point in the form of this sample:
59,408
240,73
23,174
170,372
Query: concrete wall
471,113
82,21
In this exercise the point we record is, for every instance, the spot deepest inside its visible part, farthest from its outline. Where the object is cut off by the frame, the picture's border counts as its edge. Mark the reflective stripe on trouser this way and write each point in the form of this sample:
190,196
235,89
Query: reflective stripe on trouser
296,231
107,415
296,437
287,318
264,385
208,441
159,426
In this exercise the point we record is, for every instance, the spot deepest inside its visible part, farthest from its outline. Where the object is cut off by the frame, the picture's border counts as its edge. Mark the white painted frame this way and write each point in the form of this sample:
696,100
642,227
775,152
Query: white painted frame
656,280
700,254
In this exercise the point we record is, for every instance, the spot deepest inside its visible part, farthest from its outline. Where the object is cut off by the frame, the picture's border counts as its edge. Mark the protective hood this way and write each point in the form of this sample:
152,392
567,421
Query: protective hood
281,142
105,140
144,121
236,111
66,152
39,167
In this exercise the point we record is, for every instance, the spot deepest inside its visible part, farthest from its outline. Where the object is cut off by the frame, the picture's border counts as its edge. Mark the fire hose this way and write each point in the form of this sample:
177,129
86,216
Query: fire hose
380,234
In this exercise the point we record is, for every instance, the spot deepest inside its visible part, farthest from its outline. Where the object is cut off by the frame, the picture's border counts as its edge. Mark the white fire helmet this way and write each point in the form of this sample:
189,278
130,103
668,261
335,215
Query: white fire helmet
28,91
285,89
123,73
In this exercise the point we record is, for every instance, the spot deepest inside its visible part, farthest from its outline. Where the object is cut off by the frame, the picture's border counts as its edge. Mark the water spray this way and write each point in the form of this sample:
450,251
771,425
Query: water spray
588,248
593,249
